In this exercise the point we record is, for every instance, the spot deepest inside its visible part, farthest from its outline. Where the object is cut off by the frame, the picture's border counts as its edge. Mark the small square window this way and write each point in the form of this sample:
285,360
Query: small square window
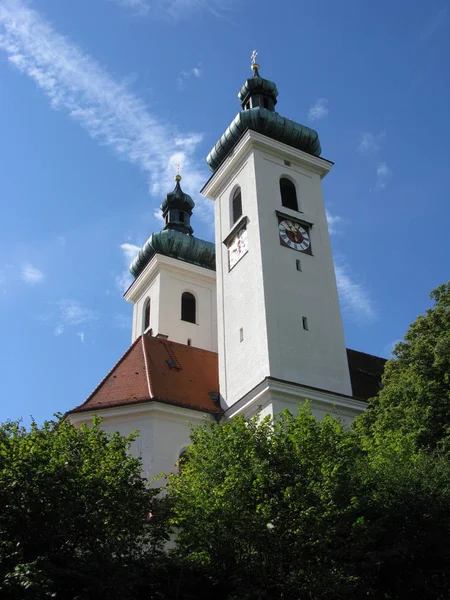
287,163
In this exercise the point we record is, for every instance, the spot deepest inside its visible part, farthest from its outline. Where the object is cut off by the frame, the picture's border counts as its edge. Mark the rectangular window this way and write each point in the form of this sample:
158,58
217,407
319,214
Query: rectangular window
241,334
305,323
189,342
298,264
287,163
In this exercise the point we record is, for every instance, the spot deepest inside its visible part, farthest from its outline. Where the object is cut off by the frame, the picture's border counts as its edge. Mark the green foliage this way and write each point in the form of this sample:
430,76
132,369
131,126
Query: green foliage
414,403
73,515
296,509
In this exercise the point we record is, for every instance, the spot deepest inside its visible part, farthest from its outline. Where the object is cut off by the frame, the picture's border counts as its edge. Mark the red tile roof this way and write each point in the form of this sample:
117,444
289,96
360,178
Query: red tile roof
155,369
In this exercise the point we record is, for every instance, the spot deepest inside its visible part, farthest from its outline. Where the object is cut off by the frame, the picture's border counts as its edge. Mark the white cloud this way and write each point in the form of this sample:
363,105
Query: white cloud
333,222
80,334
139,6
71,312
434,24
106,108
125,279
68,313
370,143
31,275
354,298
319,110
175,8
130,251
61,240
384,175
183,76
157,213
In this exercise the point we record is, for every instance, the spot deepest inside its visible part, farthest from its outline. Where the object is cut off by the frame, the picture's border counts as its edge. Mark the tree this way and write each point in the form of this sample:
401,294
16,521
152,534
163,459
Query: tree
74,514
296,509
415,400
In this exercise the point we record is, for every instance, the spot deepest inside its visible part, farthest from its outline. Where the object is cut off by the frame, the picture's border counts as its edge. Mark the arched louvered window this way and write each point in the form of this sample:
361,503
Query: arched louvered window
236,207
146,322
188,307
288,194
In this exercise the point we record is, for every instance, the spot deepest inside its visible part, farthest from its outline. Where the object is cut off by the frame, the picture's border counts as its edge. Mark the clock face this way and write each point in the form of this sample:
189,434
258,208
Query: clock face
294,235
237,247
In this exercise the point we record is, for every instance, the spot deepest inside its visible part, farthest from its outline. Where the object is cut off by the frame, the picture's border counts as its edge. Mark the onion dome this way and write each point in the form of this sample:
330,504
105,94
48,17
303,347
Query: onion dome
175,244
177,209
258,97
176,239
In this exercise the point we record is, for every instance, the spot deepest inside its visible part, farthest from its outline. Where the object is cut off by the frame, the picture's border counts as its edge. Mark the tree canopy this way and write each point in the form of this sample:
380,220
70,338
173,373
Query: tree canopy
296,509
73,513
415,400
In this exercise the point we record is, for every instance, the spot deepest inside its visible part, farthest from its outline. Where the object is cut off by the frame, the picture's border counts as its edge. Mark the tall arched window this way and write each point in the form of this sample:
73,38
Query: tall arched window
236,207
188,307
288,194
146,320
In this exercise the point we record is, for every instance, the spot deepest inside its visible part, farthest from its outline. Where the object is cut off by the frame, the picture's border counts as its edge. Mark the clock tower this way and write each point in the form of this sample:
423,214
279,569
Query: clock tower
280,335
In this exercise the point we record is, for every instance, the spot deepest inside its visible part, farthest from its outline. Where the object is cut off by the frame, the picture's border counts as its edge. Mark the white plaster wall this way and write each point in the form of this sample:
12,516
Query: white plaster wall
151,291
266,295
163,281
316,357
271,397
164,431
203,332
240,298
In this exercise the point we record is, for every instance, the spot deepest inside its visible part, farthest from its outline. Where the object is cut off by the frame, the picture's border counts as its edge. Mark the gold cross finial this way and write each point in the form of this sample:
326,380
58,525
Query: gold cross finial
178,176
255,66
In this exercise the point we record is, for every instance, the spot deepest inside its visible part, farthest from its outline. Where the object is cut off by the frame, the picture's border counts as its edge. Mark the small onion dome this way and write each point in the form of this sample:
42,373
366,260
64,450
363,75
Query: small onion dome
257,87
178,199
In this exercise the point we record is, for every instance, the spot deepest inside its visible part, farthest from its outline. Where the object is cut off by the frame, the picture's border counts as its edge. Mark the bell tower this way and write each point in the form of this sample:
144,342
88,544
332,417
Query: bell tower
174,288
280,335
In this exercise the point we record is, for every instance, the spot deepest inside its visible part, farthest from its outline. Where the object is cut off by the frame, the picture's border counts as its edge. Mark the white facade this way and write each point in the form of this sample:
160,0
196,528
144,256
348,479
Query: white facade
163,281
253,314
164,432
263,299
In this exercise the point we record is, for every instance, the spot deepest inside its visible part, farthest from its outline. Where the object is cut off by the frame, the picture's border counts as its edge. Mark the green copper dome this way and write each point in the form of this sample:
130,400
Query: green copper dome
176,245
176,239
258,97
257,84
178,199
268,123
177,209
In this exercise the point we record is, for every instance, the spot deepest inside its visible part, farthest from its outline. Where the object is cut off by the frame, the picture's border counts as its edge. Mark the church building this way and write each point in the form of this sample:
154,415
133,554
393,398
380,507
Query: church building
250,324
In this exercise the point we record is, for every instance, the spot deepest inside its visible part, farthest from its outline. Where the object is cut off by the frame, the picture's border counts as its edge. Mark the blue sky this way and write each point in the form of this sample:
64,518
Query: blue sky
100,99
